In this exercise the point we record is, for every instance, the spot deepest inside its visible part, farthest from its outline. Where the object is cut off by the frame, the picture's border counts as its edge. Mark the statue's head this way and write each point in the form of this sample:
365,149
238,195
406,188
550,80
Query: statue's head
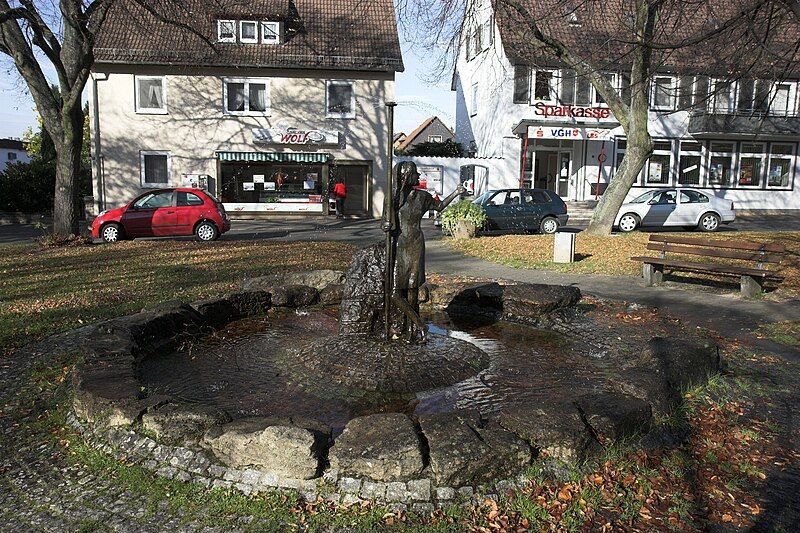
406,175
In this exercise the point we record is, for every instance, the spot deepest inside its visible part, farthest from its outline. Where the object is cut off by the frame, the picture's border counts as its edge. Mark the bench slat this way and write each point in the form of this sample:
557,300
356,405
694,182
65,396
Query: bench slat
710,268
727,253
735,245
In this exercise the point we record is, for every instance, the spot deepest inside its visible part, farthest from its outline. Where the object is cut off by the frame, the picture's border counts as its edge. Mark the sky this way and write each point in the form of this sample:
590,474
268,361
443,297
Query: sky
418,98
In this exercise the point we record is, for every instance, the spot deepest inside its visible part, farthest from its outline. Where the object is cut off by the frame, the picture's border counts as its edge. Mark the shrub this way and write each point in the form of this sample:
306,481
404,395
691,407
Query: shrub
463,210
29,187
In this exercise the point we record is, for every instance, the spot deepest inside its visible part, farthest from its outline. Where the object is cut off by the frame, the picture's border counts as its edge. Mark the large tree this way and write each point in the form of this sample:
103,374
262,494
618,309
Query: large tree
728,38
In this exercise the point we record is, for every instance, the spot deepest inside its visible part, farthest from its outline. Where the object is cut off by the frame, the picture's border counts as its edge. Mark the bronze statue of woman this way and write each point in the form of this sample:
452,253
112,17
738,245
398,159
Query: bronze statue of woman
410,205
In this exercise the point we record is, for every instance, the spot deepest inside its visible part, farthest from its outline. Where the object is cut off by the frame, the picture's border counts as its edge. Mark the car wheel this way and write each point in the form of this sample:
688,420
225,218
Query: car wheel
206,231
111,232
628,223
709,222
548,226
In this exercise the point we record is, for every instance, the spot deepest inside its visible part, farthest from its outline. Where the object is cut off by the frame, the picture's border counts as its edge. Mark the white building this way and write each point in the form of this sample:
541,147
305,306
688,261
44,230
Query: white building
12,151
740,143
265,103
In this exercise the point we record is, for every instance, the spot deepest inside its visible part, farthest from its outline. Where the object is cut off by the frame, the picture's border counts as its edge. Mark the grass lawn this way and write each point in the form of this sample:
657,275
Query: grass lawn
611,255
46,290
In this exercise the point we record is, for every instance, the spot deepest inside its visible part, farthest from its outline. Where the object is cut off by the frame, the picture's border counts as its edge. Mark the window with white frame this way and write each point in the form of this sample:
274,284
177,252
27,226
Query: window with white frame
751,164
270,32
151,94
477,41
612,80
246,96
473,107
155,168
522,84
248,31
468,46
434,138
567,87
723,96
690,163
780,166
783,99
340,100
12,156
686,96
663,96
488,33
226,31
544,86
722,159
659,165
761,96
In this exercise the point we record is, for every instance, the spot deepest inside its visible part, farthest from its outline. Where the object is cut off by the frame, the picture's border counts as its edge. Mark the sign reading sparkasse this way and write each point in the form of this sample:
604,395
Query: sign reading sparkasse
294,136
571,111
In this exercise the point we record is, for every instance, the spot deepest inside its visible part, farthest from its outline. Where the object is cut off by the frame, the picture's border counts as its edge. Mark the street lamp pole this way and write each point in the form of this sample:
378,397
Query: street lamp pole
389,218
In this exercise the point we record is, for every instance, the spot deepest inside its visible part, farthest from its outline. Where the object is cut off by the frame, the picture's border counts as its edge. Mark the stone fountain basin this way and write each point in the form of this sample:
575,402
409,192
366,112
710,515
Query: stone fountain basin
454,449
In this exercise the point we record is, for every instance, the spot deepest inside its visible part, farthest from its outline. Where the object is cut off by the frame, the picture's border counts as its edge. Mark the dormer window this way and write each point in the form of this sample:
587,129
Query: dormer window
226,31
248,31
270,32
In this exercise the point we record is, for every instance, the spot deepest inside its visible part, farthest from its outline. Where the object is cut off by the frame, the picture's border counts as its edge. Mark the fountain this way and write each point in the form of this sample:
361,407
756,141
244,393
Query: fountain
336,383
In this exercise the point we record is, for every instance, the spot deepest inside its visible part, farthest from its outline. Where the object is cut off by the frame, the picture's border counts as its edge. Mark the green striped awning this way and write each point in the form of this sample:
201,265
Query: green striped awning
275,157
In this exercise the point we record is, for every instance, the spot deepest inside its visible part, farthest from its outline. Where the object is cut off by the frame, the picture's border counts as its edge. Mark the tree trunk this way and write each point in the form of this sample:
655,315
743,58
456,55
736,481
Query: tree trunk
68,168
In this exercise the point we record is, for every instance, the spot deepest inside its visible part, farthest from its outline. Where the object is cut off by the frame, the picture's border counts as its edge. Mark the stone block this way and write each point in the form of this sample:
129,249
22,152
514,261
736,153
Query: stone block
396,491
419,489
445,493
350,485
371,490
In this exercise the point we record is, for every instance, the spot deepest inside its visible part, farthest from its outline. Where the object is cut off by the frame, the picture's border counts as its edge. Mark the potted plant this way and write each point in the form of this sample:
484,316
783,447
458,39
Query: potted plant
463,219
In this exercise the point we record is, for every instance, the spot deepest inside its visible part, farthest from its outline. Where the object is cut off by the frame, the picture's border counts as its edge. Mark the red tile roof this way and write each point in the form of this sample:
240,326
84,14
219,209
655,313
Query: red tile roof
338,34
602,31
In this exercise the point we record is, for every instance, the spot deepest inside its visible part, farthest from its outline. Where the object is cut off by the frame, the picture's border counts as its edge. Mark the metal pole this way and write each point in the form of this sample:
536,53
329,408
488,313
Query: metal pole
389,216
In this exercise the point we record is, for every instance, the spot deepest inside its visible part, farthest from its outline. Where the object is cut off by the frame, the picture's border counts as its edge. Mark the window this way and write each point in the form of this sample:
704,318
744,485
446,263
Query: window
544,87
693,197
720,169
434,138
488,32
246,96
746,94
340,99
690,163
226,31
783,96
686,96
751,164
270,32
473,108
151,94
468,46
723,96
248,31
568,86
477,41
12,156
660,163
779,172
522,84
612,79
664,93
761,98
154,200
155,169
583,91
664,198
187,199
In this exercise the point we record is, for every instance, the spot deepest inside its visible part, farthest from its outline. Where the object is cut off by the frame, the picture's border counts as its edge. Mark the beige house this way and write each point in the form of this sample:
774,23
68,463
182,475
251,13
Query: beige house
265,104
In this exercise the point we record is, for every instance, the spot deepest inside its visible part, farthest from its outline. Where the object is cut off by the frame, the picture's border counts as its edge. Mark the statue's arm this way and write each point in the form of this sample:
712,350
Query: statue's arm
439,205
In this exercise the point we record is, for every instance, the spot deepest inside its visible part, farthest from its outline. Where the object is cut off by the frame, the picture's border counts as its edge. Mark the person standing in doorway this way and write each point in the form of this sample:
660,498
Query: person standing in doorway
339,194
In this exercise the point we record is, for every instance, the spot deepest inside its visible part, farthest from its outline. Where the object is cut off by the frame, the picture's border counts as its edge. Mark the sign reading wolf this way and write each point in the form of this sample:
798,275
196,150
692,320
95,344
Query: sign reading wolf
406,257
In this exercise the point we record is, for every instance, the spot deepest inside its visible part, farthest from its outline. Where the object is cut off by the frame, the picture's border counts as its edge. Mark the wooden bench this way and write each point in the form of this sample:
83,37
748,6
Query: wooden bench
752,278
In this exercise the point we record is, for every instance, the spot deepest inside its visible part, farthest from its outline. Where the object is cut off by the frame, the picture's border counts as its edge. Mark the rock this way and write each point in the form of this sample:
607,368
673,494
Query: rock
291,449
175,422
456,296
216,312
528,300
319,279
555,428
613,417
465,450
293,296
332,294
250,303
382,447
667,367
156,330
361,310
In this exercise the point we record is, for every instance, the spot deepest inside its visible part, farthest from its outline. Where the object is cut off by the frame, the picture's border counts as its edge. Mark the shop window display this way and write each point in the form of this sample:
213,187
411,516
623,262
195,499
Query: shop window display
260,183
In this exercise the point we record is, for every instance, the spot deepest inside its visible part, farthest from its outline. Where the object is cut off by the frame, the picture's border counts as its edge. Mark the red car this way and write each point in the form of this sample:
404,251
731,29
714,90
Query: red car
164,213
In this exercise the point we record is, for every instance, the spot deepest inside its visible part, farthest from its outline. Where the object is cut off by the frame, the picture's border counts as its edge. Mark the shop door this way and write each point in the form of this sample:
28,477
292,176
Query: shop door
356,180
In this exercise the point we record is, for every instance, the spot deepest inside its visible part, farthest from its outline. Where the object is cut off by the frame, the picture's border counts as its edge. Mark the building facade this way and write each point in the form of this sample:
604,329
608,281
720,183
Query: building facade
265,105
432,130
737,139
12,151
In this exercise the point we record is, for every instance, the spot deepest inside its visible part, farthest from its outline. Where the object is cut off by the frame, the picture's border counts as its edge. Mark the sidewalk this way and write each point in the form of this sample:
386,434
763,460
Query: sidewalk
728,314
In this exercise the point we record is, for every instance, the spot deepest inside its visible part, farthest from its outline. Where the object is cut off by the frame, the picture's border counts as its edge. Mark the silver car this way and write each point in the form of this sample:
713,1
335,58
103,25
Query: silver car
675,207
